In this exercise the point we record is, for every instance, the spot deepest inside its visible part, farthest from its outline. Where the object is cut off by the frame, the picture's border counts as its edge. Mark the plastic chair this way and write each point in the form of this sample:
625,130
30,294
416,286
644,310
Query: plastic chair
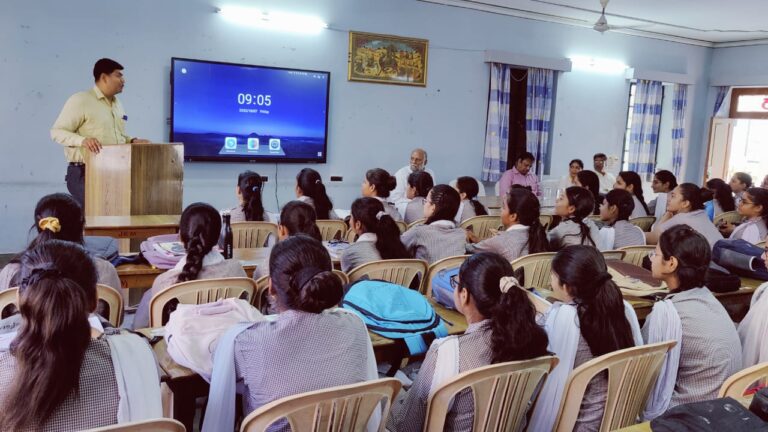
156,425
546,221
632,373
337,409
643,222
737,384
730,217
398,271
502,393
260,300
536,268
114,300
9,297
199,292
351,236
434,269
613,255
482,225
416,222
332,229
402,225
760,244
249,235
635,254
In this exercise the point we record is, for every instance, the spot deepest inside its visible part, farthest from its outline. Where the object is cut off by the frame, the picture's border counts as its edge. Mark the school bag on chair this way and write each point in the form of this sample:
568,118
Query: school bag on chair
395,312
442,291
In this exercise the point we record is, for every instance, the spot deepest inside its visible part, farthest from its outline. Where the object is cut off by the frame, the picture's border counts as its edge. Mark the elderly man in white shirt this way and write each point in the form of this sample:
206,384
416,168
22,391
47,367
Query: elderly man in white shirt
418,163
606,179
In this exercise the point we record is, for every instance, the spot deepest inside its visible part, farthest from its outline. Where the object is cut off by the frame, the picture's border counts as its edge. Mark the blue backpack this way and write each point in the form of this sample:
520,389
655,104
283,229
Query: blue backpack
442,291
394,312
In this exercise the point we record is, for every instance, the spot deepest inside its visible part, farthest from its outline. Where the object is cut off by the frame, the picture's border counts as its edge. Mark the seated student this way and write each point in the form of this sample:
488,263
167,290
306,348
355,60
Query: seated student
754,326
707,342
311,345
419,185
378,184
248,191
589,320
589,180
754,208
615,211
62,369
722,200
663,183
502,328
574,207
630,181
739,183
524,233
379,235
468,189
569,179
686,206
311,190
199,230
58,217
439,237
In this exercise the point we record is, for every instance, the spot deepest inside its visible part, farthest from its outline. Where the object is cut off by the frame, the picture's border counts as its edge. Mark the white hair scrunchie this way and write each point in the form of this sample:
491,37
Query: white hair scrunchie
380,214
508,282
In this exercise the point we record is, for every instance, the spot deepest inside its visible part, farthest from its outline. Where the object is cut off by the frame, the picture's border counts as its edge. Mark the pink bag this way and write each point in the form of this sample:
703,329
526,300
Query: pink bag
163,251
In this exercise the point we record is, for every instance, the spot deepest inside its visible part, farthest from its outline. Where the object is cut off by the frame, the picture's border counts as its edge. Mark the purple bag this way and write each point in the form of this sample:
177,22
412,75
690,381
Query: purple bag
163,251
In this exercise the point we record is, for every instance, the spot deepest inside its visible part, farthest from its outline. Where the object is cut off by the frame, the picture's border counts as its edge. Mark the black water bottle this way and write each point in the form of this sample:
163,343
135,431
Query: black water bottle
227,237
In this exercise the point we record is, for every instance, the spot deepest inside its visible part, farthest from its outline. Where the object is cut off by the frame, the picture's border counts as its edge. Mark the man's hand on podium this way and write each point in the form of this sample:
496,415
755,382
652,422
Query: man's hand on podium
92,144
139,141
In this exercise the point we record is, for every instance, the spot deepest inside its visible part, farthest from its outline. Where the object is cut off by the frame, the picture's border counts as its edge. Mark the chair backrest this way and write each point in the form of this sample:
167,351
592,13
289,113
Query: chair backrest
760,244
613,254
632,373
199,292
351,236
114,300
643,222
546,221
398,271
737,384
482,225
155,425
595,218
536,268
730,217
8,298
337,409
635,254
249,235
402,226
417,222
332,229
502,393
434,269
260,301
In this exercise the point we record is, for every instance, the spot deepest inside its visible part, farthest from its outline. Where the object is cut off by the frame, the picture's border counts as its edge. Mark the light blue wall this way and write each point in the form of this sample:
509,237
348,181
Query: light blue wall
47,49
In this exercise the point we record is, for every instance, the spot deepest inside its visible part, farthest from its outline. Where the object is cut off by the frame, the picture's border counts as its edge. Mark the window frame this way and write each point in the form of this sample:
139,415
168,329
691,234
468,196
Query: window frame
736,93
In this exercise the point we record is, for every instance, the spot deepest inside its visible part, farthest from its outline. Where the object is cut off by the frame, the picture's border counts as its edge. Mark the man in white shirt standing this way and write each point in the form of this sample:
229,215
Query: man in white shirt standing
606,179
418,163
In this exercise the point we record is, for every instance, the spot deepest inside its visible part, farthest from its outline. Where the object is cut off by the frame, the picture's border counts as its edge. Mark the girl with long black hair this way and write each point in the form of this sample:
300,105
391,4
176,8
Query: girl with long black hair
631,182
439,237
311,190
379,236
470,207
574,207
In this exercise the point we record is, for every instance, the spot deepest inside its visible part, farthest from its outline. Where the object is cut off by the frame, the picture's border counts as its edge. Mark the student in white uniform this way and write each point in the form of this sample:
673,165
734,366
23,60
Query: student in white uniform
470,207
722,200
615,210
378,184
754,209
439,237
630,181
379,236
311,190
574,207
739,183
663,183
686,207
419,185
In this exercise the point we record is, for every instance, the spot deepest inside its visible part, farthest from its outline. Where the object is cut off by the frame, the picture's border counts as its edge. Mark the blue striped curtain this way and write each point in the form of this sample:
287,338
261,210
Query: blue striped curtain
644,135
679,102
497,124
721,92
538,114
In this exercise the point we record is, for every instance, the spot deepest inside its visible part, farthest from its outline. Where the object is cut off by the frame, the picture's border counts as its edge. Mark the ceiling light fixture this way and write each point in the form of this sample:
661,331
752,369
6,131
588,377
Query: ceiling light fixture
279,21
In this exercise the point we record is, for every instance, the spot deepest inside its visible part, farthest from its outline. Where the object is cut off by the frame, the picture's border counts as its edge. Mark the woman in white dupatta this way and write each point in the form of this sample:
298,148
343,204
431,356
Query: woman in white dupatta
590,320
754,327
63,370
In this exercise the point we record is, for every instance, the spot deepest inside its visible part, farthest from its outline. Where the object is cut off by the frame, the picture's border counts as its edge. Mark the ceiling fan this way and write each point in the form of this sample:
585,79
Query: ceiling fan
602,23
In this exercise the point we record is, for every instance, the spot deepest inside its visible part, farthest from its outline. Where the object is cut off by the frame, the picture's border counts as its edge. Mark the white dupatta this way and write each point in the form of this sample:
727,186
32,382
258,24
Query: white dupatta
753,328
663,325
562,326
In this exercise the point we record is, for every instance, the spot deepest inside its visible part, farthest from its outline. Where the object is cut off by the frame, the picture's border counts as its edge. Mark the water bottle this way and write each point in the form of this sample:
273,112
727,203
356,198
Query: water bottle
227,237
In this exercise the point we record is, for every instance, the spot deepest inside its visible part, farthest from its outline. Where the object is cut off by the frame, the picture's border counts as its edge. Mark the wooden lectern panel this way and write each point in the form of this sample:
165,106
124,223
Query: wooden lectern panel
158,173
107,174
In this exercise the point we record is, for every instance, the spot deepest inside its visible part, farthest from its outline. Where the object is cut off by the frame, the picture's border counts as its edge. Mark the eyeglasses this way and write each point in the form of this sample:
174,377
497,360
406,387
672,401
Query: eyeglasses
455,282
652,254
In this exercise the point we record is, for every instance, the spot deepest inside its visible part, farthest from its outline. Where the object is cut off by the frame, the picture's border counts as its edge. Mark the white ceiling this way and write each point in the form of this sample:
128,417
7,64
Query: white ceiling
699,22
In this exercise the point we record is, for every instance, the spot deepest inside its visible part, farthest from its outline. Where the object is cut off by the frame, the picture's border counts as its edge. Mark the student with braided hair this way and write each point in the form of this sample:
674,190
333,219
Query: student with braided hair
379,236
574,206
199,230
248,190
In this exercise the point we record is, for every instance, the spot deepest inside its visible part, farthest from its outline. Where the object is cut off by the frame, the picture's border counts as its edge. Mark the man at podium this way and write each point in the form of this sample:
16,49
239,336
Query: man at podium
90,119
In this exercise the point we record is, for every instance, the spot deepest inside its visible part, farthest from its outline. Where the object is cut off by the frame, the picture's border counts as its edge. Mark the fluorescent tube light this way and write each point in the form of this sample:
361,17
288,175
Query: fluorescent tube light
279,21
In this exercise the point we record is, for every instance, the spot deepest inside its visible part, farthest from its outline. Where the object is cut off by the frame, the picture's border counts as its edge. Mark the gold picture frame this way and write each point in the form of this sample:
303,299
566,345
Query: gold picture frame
387,59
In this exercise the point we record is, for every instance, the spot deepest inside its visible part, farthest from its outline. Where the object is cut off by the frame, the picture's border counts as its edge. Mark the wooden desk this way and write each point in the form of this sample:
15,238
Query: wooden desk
131,227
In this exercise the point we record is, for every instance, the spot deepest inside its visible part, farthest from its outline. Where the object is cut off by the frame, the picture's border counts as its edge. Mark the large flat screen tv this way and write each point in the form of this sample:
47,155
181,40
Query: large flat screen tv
245,113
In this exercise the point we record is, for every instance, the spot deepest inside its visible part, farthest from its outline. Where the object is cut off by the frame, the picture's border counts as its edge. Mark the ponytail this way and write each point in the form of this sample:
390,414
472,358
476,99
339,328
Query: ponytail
722,194
57,217
370,213
584,202
537,237
299,218
311,185
57,294
633,179
250,185
525,205
468,185
199,230
446,201
599,303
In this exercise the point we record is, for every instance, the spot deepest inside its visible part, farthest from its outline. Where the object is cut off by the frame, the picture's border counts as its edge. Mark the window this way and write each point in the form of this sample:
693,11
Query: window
628,131
749,103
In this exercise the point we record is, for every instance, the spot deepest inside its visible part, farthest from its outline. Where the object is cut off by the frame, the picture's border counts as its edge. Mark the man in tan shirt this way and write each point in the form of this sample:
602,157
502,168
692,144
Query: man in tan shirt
91,119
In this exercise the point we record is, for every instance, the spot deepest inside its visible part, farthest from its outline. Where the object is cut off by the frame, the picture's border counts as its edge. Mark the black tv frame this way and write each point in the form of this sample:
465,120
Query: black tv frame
247,159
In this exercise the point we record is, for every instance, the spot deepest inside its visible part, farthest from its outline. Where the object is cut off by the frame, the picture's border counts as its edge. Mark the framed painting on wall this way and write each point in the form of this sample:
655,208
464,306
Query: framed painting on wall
387,59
